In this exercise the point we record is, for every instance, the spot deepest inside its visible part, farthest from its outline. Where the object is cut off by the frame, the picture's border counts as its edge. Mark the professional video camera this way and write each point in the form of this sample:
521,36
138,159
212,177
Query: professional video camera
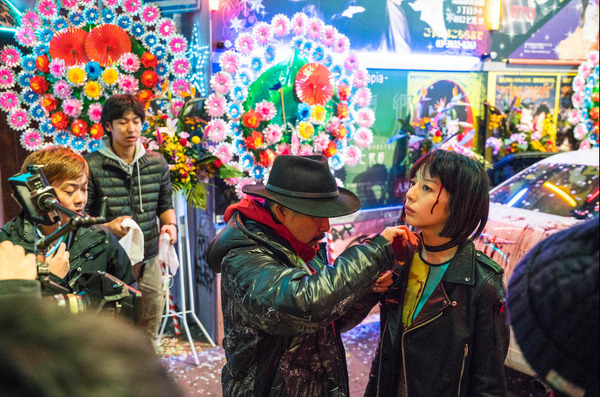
97,291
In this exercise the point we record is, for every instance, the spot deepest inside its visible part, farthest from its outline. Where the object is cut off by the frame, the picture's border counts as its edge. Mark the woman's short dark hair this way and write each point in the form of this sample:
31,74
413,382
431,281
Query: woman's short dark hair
467,184
116,106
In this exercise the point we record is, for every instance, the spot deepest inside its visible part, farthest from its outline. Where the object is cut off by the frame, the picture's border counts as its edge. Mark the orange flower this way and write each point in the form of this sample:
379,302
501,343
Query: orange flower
251,119
42,63
343,92
97,131
49,103
79,128
145,96
149,78
255,140
594,113
59,120
267,157
342,110
38,84
149,60
330,150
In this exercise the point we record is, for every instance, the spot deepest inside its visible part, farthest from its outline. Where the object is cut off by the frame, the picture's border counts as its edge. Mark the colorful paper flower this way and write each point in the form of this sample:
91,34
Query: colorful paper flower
62,89
181,67
166,28
129,62
57,68
229,62
149,79
10,56
18,119
215,105
59,120
266,110
26,36
132,6
280,25
72,107
9,100
49,103
47,8
96,131
150,13
92,90
76,75
110,76
128,84
220,82
39,84
7,78
95,112
262,32
178,45
251,119
31,140
244,44
149,60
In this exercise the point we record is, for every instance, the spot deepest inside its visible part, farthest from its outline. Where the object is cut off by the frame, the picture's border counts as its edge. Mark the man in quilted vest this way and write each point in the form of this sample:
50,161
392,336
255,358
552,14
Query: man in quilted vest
138,186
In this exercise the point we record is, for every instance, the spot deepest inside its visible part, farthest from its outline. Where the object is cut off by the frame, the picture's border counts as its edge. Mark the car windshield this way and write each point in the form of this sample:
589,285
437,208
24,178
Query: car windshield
561,189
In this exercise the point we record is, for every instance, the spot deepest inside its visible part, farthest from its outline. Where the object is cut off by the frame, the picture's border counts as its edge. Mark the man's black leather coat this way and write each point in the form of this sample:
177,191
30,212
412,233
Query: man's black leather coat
282,325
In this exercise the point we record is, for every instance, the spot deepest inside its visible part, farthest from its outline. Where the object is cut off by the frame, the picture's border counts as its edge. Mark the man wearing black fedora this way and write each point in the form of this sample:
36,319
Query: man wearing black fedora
284,306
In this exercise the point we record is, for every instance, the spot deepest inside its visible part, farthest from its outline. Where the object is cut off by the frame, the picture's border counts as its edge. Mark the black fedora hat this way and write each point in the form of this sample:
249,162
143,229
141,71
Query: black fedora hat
305,184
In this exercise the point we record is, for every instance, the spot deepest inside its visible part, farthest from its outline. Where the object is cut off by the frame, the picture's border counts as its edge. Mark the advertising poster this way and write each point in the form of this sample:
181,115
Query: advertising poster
547,29
410,26
564,130
537,92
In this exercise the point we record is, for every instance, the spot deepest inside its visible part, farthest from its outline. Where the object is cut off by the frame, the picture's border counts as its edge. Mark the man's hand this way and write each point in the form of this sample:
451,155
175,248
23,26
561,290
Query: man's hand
383,282
115,226
171,230
59,261
402,239
14,264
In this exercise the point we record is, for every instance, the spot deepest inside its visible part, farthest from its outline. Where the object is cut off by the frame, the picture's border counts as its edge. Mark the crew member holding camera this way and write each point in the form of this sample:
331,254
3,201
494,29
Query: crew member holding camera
84,250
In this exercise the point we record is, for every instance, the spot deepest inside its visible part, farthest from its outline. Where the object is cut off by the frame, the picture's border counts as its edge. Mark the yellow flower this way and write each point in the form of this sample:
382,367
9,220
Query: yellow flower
93,90
436,139
76,75
195,139
306,130
318,114
110,76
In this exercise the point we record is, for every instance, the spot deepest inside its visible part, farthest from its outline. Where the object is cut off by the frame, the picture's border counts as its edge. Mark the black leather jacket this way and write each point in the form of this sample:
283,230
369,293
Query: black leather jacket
91,249
282,325
457,344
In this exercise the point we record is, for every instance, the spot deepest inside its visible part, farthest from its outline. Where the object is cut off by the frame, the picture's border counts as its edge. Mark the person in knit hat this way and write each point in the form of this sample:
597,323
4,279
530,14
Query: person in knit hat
553,309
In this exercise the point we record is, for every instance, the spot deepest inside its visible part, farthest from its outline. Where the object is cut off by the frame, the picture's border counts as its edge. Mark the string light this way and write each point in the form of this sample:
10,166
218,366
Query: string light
198,56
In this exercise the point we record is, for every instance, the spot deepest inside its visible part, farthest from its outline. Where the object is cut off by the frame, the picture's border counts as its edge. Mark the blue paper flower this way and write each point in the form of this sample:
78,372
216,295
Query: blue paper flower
297,43
78,143
37,112
76,19
91,15
160,52
60,23
270,52
245,77
29,96
236,130
138,30
24,78
336,161
307,46
42,49
240,145
93,70
62,138
303,112
256,64
108,16
238,94
45,34
47,128
247,161
150,40
258,172
93,145
161,69
234,111
318,53
327,60
124,22
28,63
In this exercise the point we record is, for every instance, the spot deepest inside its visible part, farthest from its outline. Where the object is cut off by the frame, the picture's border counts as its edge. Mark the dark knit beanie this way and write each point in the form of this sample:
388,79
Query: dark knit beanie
553,309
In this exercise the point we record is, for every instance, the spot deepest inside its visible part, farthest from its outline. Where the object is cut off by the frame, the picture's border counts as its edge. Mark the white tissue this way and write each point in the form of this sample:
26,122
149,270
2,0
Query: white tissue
167,254
133,241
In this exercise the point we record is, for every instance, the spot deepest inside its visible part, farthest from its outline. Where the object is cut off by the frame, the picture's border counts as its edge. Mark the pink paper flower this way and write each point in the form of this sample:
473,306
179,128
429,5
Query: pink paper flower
585,69
365,117
10,56
57,68
243,182
132,6
363,97
9,100
283,148
128,84
47,8
299,21
231,181
72,107
593,57
129,62
244,44
111,3
18,119
314,29
216,130
333,125
181,67
178,45
305,150
31,140
230,62
221,82
574,116
351,62
180,85
31,20
70,4
224,152
273,134
341,44
62,89
266,110
577,99
150,13
321,142
585,145
580,131
166,28
280,25
176,106
360,78
578,83
363,137
95,112
25,36
329,35
7,77
352,156
215,105
262,32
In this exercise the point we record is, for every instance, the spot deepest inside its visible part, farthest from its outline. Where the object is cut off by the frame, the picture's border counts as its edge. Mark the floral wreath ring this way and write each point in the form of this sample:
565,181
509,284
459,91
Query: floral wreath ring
269,101
56,99
584,115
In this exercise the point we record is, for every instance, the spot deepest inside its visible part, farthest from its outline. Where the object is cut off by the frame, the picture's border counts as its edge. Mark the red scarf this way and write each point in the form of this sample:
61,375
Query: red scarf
254,210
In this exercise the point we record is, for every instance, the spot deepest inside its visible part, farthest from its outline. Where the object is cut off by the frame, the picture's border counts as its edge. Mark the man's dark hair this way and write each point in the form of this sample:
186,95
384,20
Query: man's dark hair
48,352
116,106
466,182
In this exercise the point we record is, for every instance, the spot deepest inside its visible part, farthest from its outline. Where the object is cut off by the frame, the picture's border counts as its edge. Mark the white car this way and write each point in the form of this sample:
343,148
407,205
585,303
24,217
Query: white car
551,195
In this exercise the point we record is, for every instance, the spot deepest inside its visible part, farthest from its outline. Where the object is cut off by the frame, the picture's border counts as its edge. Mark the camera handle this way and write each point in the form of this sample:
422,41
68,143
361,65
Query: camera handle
51,203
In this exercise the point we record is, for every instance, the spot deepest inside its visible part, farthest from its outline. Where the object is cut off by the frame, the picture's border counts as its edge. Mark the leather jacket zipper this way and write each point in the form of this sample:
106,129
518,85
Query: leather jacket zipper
402,343
462,368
